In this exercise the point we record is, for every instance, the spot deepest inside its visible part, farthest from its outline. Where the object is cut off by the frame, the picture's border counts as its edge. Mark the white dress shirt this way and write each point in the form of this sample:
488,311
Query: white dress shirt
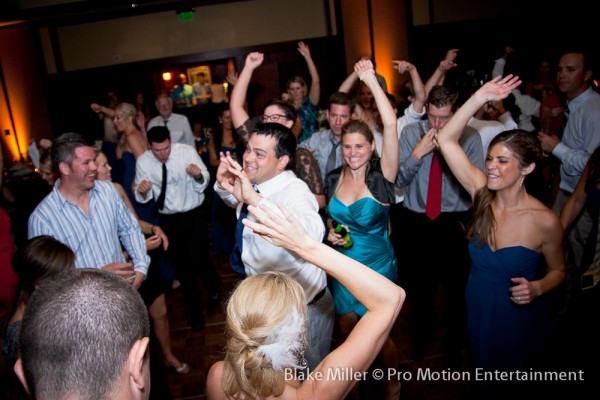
179,128
184,193
489,129
258,255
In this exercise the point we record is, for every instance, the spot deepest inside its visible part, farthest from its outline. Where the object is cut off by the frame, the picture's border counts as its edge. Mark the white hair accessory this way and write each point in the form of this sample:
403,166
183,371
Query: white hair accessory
284,346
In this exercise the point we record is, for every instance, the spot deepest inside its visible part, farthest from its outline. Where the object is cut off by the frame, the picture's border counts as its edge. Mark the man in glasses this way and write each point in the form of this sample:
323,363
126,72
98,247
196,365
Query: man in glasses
433,243
279,112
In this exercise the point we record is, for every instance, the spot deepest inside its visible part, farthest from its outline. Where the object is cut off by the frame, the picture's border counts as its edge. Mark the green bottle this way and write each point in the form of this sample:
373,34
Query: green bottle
343,232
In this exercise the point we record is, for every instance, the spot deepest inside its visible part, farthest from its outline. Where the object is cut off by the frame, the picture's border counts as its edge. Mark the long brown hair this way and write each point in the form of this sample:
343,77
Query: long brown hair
527,150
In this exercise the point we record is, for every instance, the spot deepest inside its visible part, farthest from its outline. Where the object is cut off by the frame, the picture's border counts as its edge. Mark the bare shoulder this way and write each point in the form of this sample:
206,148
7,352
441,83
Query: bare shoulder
120,189
214,381
544,218
216,371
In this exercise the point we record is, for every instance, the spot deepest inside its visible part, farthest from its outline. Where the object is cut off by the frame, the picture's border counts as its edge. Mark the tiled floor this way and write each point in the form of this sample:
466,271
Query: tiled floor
201,349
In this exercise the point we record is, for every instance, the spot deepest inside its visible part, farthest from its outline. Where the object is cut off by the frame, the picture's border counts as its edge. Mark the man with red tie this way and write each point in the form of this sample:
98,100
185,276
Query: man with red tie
433,243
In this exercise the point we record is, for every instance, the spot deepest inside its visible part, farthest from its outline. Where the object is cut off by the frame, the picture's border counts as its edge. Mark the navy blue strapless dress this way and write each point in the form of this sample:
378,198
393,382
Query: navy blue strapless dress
368,223
504,335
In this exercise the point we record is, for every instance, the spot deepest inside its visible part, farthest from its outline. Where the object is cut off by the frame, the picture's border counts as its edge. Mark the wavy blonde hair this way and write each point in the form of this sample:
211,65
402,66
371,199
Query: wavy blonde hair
127,110
259,305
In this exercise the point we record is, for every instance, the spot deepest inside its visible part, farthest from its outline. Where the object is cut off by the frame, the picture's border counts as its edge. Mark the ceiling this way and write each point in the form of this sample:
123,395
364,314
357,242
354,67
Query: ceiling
64,12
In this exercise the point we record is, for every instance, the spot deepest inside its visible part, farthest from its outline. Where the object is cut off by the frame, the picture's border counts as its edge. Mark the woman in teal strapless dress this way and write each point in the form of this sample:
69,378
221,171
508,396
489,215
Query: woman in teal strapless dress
359,197
510,326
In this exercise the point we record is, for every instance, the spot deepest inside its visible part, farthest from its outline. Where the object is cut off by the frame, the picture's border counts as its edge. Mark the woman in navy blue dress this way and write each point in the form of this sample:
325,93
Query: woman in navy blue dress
510,326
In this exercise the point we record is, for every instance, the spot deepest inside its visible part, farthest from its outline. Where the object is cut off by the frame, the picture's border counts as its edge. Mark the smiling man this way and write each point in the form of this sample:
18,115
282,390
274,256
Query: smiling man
88,215
267,178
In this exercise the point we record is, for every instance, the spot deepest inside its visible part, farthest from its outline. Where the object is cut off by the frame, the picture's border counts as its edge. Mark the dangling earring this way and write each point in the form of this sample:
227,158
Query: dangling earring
521,184
303,362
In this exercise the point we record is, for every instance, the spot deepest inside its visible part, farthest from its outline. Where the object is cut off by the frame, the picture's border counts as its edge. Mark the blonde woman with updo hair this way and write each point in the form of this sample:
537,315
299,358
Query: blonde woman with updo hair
131,140
266,323
132,144
246,369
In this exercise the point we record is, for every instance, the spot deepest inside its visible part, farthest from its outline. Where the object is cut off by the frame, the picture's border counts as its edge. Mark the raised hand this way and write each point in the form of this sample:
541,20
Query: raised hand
225,178
232,77
243,189
448,63
402,66
498,88
451,54
363,68
303,49
253,60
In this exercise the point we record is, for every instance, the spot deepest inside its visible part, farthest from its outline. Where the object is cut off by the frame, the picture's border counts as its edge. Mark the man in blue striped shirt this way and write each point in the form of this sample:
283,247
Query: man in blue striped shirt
89,216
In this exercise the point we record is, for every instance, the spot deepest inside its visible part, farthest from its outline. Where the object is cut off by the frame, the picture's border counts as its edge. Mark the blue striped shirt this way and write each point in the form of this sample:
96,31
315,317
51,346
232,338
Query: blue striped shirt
94,240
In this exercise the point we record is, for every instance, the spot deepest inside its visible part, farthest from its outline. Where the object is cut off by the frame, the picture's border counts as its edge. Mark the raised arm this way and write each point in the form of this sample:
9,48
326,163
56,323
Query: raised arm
389,157
348,83
97,108
418,103
315,85
468,174
438,76
382,298
238,95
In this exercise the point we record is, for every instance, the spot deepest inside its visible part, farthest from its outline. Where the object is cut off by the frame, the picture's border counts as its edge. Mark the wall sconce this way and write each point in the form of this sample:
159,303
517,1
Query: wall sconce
166,76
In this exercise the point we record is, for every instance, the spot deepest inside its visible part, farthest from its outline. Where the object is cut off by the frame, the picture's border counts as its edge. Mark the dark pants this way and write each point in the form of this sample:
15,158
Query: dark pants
433,253
189,251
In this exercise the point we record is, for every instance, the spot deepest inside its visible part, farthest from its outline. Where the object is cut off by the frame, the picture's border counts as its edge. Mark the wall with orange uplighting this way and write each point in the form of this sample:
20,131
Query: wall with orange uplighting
22,80
389,36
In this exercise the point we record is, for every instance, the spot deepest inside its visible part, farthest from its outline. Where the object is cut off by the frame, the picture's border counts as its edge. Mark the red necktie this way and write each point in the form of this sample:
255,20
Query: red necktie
433,207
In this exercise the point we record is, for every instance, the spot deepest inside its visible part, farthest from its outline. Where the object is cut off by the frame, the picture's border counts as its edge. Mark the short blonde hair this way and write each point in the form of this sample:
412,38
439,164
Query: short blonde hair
259,304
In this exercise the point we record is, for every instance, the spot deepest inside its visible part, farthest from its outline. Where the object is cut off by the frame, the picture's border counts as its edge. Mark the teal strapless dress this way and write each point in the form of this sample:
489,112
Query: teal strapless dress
504,335
367,220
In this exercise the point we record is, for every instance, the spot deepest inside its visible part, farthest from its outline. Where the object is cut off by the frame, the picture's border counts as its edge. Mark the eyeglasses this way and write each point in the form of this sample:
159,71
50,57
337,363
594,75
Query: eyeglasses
440,118
272,117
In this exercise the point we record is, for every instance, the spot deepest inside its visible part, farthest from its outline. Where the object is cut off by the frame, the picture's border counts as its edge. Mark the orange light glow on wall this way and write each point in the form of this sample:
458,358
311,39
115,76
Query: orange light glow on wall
166,76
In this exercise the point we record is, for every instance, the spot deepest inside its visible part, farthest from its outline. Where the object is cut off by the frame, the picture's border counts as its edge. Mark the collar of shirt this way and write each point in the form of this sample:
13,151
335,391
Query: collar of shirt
575,103
274,184
62,201
331,136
